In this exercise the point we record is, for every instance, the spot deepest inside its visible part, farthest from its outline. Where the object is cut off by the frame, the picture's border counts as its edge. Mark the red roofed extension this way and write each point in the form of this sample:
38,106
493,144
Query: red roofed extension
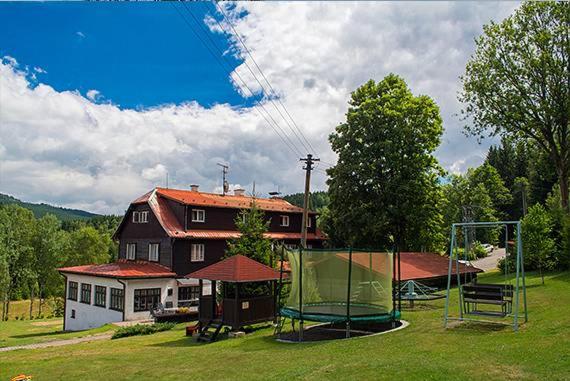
238,269
122,269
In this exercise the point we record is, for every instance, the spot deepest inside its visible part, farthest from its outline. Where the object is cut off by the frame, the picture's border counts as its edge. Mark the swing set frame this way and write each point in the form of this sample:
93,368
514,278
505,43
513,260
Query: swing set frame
519,278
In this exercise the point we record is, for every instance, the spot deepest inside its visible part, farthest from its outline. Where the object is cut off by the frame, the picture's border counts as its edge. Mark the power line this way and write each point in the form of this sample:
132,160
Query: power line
286,140
236,34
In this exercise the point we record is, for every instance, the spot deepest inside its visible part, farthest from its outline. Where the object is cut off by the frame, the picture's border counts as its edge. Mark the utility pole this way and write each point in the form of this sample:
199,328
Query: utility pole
225,185
309,161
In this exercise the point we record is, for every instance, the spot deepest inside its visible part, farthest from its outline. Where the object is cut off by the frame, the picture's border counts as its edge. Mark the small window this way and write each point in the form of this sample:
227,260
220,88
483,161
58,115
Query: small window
309,222
198,215
72,291
197,252
169,291
100,296
117,299
284,220
131,251
73,314
140,217
188,295
85,293
153,252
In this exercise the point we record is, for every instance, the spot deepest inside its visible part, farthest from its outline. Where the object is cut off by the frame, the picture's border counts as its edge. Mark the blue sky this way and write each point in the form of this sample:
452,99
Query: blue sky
101,101
137,55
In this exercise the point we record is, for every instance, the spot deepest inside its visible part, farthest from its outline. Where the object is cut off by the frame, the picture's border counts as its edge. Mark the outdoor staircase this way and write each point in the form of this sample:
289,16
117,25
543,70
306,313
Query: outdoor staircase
376,286
209,332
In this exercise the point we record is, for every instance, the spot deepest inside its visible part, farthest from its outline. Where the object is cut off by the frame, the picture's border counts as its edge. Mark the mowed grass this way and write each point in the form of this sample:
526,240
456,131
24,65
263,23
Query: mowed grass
422,351
23,332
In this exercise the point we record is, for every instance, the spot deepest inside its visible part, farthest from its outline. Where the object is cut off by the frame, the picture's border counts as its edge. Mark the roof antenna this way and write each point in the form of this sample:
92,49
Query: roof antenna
225,185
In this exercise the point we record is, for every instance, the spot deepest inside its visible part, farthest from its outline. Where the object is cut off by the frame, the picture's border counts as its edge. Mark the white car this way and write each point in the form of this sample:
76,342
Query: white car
488,248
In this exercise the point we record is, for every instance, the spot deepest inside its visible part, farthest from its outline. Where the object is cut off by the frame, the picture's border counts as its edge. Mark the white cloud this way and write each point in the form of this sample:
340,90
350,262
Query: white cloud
80,34
61,147
93,94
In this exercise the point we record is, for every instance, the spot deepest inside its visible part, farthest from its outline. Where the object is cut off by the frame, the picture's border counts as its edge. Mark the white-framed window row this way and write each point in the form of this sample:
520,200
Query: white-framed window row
197,252
153,252
198,215
131,251
283,220
140,217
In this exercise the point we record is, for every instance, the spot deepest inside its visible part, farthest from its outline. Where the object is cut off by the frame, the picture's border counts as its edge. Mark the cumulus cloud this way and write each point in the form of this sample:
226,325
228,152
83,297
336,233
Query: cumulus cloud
64,148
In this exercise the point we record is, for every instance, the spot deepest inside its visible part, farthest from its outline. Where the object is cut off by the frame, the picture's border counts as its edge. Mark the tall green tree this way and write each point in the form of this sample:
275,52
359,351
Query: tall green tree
49,243
494,185
384,188
252,243
517,84
16,228
539,247
86,246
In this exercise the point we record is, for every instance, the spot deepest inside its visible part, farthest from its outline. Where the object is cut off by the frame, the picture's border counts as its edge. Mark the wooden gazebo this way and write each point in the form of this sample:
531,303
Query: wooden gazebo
236,308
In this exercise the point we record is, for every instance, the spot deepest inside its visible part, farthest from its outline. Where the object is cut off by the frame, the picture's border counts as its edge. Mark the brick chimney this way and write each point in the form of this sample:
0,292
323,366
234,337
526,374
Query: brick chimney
194,187
239,192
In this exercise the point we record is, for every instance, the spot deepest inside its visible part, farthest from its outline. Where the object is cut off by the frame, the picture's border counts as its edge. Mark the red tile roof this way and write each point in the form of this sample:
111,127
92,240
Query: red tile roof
122,269
156,199
238,269
429,265
189,197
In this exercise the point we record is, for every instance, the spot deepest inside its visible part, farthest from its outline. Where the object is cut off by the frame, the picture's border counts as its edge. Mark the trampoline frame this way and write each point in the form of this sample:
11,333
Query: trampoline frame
294,314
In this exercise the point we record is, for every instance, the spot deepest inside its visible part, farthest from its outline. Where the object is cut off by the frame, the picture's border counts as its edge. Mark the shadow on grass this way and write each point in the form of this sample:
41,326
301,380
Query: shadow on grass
37,334
423,306
178,343
477,327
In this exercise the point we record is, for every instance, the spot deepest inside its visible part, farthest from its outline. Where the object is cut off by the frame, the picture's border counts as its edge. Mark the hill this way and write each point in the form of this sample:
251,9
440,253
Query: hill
318,199
39,210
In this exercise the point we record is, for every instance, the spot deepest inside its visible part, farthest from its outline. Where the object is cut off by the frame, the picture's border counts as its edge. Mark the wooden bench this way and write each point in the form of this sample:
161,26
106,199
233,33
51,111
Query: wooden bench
490,294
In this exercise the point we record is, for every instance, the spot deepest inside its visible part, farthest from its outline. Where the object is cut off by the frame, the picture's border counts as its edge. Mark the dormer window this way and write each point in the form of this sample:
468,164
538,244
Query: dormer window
198,215
140,217
284,220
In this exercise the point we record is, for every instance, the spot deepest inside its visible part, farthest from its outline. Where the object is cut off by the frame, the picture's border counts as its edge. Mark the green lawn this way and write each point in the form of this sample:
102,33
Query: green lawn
21,309
422,351
22,332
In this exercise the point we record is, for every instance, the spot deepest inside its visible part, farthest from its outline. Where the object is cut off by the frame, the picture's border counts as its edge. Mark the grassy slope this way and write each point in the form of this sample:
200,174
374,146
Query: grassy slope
423,351
25,332
21,308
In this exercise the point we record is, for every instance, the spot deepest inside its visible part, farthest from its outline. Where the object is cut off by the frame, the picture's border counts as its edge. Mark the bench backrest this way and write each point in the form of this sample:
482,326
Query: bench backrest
508,289
483,293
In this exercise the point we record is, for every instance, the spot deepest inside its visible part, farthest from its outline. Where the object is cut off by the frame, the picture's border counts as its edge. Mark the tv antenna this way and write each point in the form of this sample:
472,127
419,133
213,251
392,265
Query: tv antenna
225,185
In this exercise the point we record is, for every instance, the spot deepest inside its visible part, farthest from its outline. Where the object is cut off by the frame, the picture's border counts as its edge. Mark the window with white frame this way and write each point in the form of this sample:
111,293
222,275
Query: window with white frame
140,217
198,215
284,220
153,252
309,221
131,251
197,252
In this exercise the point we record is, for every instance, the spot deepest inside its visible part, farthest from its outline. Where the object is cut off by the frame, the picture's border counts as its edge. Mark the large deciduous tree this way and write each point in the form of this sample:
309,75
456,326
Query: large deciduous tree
517,84
384,187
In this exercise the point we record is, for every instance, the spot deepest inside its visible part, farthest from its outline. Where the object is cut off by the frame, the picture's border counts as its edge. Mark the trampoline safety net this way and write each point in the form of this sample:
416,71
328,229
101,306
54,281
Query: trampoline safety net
336,286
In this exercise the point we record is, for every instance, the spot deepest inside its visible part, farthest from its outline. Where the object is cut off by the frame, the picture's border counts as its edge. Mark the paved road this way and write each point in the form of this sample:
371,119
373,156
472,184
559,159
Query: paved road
489,263
59,343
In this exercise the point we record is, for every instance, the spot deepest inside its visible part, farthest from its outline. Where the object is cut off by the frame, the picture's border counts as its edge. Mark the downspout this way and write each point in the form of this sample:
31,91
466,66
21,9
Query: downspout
64,301
124,296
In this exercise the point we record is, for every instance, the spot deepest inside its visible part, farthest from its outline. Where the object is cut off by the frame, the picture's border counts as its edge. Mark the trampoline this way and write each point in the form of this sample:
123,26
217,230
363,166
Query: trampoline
340,286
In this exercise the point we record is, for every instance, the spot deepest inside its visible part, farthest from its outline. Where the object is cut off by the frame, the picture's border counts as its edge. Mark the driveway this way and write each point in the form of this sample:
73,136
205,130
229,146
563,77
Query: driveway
489,263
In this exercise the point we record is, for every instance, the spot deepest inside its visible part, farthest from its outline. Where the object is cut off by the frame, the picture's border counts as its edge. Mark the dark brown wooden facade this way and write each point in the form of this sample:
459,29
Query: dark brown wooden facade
175,252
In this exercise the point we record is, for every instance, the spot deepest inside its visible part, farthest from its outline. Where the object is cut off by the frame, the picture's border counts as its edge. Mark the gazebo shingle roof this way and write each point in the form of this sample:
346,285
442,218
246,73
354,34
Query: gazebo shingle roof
236,269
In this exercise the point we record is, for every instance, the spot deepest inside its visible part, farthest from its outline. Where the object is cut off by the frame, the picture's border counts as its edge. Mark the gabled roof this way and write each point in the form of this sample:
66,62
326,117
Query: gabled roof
237,269
196,198
157,201
122,269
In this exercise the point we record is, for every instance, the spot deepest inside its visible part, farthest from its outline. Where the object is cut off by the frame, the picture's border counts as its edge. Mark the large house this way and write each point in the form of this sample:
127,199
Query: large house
165,235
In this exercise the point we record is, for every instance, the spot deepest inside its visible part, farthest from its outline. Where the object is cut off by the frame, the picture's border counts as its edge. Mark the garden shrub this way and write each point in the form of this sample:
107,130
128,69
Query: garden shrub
142,329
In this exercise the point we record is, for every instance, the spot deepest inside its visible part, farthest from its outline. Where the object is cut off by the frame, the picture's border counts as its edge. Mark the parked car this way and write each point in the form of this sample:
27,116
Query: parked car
488,247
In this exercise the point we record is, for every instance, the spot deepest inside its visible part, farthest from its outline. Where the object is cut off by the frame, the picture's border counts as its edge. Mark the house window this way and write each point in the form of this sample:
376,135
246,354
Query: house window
153,252
100,296
309,222
197,252
188,295
73,314
131,251
140,217
117,299
72,291
198,215
146,299
284,220
85,293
